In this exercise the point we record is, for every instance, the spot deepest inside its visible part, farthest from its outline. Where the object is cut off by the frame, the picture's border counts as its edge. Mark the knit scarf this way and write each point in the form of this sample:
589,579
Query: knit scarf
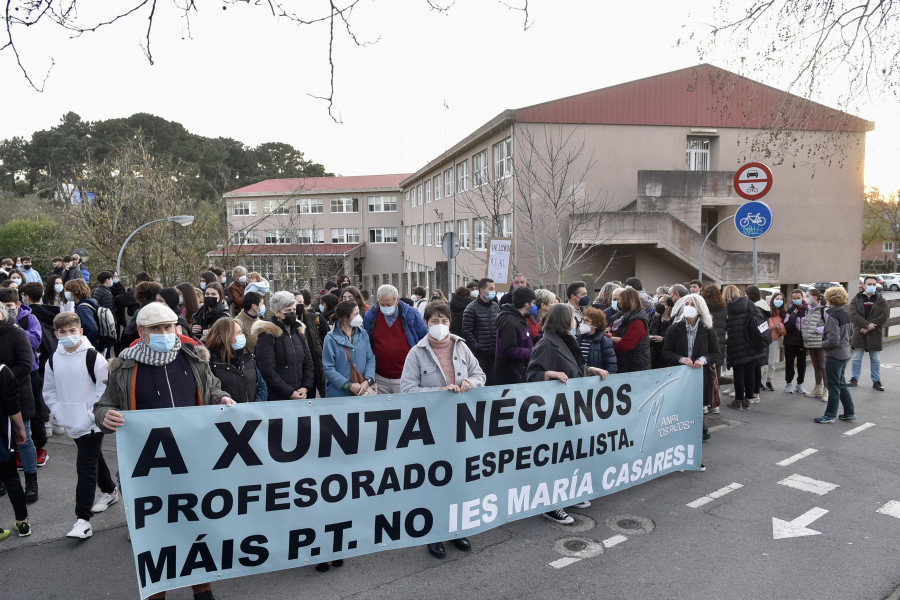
142,353
444,351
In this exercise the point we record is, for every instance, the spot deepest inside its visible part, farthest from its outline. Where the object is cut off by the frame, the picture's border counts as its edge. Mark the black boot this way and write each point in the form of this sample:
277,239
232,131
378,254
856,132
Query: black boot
31,488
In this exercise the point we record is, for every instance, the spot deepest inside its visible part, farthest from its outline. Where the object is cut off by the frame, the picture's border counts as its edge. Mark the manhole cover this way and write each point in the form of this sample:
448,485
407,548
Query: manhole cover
577,547
630,524
582,523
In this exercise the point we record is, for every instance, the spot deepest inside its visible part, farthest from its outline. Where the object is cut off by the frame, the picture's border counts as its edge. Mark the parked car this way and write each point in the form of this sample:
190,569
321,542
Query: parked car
891,282
824,285
767,292
879,280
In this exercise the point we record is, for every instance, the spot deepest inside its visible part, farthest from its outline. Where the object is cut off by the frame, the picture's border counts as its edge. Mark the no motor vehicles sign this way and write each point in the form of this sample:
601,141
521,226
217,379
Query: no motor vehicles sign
753,181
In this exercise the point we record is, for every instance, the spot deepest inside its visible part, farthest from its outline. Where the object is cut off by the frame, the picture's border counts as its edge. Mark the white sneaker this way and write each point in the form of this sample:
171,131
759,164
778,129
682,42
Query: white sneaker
105,500
585,504
788,388
799,389
81,530
754,400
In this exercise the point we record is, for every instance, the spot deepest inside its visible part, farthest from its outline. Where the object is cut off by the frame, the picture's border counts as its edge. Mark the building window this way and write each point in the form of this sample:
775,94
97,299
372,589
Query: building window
448,182
503,159
345,235
243,208
381,204
506,226
427,234
345,205
462,176
277,236
407,231
427,192
448,226
310,206
415,236
437,187
310,236
421,235
418,195
383,235
275,207
438,234
406,196
246,237
481,234
479,169
462,230
697,154
887,246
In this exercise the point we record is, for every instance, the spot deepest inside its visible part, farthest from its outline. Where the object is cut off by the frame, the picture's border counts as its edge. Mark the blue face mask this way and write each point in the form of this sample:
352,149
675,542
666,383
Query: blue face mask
584,301
262,310
162,342
69,296
870,289
202,285
240,341
491,295
58,288
115,280
614,305
573,332
778,303
533,309
797,301
321,308
388,310
70,341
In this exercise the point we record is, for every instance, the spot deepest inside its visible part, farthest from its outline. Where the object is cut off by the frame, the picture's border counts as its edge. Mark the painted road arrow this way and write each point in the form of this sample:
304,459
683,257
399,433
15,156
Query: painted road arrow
797,527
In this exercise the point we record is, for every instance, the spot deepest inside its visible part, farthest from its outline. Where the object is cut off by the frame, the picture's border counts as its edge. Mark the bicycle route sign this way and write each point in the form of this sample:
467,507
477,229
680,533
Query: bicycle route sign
753,181
753,219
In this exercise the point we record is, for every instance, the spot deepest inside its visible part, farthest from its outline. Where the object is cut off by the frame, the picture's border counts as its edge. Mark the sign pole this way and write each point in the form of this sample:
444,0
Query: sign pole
755,268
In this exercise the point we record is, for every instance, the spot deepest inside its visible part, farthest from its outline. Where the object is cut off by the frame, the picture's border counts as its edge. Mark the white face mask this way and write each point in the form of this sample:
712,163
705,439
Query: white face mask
584,329
689,312
357,321
473,293
413,297
242,279
439,331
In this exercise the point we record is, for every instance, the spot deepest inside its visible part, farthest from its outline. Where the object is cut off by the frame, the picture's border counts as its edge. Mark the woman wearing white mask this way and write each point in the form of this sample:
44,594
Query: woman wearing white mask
347,349
441,361
692,341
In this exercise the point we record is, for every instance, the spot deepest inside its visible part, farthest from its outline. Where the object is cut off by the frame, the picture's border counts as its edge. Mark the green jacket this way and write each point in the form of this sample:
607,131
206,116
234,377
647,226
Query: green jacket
870,342
121,372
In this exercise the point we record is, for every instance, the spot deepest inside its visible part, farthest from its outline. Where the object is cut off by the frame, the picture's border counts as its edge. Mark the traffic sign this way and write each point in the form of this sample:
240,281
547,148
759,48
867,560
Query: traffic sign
450,244
753,219
753,181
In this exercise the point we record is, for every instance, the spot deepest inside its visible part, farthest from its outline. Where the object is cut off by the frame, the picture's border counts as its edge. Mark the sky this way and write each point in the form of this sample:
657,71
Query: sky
423,80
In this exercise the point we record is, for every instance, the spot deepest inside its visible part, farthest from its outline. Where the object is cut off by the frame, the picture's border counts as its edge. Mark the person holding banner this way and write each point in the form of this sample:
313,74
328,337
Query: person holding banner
441,361
347,350
282,355
692,341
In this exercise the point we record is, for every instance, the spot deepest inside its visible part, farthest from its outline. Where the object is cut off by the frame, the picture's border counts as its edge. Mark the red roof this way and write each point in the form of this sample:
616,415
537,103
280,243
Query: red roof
283,249
701,96
322,184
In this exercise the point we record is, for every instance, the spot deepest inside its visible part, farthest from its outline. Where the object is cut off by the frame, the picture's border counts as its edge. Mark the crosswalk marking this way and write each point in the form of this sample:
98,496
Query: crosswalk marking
716,494
859,429
792,459
559,563
614,541
891,509
808,484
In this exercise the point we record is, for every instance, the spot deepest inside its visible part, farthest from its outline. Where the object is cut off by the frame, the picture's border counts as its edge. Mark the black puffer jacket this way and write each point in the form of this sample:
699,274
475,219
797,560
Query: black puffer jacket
737,348
205,317
658,327
16,353
457,305
104,297
283,358
238,377
479,327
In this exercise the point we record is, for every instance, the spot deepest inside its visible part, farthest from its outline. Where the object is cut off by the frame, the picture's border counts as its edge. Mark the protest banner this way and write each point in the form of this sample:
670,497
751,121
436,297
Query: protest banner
499,259
215,492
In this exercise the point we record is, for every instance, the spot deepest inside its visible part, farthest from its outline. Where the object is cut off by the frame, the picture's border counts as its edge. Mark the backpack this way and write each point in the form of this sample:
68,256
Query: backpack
48,340
759,336
106,323
90,360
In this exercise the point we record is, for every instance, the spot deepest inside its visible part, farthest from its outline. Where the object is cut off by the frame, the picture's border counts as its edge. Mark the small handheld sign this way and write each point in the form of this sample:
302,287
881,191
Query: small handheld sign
753,219
753,181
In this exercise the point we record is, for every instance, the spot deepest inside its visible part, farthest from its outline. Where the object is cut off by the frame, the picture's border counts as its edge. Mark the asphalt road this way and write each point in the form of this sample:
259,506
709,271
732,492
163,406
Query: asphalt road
724,549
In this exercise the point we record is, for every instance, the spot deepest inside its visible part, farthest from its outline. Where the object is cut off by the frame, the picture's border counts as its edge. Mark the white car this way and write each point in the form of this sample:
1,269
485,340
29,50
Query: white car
891,282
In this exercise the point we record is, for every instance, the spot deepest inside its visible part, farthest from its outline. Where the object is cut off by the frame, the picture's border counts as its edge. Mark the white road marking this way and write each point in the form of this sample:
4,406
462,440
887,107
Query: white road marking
808,484
862,427
798,527
563,562
614,541
792,459
716,494
891,509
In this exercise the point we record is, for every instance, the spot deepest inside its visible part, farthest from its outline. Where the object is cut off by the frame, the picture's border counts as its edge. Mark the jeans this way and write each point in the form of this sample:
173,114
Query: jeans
92,473
837,387
29,454
792,354
874,363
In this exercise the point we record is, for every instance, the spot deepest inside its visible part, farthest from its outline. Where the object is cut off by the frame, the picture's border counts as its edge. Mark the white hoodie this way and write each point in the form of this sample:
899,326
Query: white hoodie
69,392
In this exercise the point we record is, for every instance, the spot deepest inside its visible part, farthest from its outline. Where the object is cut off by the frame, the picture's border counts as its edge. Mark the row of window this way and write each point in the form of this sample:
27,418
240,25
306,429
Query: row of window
344,235
429,234
441,185
313,206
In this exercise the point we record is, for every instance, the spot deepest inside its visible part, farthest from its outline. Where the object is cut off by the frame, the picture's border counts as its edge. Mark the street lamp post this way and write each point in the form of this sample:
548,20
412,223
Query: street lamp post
703,245
183,220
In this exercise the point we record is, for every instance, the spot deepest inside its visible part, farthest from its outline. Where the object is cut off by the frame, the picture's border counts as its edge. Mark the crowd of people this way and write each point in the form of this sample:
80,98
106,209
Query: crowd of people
211,342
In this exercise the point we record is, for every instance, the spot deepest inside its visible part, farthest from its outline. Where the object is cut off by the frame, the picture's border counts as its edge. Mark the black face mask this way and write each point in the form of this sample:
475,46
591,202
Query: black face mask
660,308
211,301
289,318
670,303
26,267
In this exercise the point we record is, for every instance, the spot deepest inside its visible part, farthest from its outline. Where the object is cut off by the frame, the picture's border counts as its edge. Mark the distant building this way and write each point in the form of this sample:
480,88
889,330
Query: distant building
301,232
